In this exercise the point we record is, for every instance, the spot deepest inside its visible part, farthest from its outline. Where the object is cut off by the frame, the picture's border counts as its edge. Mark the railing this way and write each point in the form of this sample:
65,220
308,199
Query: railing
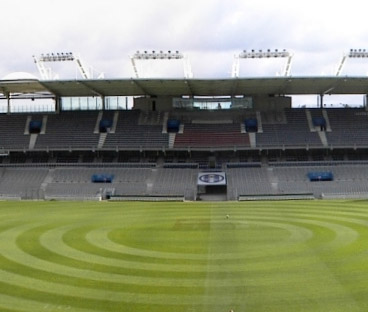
303,196
80,165
146,198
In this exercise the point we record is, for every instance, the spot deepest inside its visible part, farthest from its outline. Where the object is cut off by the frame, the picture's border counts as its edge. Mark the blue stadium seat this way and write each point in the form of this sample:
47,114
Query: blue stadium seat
105,125
251,125
173,125
35,126
319,122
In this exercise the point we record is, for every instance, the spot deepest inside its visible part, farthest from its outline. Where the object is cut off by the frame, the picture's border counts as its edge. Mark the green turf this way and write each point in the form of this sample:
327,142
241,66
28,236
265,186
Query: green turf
267,256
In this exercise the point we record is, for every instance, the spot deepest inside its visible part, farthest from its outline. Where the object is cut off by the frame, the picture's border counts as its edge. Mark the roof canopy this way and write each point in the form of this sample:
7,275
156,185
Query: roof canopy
190,87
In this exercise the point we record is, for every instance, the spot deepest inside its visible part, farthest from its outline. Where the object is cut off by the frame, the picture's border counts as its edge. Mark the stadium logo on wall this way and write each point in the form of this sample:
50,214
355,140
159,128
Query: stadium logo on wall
211,178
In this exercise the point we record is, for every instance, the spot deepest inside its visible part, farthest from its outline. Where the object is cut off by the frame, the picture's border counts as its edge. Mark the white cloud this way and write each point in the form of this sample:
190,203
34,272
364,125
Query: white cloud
106,32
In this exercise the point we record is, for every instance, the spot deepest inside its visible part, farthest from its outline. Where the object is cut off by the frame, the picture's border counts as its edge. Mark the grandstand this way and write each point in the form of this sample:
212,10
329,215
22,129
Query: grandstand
244,129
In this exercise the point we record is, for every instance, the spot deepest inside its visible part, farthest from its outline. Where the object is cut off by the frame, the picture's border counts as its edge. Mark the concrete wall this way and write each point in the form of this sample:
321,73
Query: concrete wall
162,103
271,103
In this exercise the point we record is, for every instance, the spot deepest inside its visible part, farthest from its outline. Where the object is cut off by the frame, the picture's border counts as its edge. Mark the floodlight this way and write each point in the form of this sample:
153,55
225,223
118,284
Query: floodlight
56,57
85,70
268,53
358,53
158,55
260,53
155,55
353,53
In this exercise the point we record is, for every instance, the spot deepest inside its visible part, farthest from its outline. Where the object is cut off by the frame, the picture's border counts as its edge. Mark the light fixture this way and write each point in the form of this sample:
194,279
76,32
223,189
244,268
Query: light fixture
56,57
261,54
158,55
161,55
356,53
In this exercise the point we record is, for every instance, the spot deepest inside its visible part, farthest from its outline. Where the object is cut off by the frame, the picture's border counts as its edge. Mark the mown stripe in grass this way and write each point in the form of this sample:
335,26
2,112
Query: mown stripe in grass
40,274
263,283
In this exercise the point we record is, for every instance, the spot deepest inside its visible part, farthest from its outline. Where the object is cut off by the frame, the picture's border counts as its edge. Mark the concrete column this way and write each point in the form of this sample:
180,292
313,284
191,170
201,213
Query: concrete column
321,101
8,103
103,103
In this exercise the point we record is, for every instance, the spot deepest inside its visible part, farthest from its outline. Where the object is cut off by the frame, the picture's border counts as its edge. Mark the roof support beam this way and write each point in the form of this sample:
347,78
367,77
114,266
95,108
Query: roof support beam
144,91
188,84
328,90
94,90
50,89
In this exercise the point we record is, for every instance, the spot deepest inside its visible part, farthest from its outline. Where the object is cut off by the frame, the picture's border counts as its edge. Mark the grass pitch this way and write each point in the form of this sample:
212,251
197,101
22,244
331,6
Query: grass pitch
250,256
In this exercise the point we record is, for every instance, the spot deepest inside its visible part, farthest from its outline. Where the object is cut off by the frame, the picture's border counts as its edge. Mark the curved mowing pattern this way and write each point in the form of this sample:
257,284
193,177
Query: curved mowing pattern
265,256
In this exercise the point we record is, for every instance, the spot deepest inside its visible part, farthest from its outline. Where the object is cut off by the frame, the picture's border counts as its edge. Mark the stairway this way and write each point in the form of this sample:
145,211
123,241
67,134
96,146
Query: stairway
259,122
274,181
323,138
48,179
164,122
101,140
252,139
32,140
308,114
325,116
172,137
97,125
242,128
114,122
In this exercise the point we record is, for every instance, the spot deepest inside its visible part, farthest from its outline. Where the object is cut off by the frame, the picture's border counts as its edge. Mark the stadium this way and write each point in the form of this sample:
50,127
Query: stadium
87,144
185,194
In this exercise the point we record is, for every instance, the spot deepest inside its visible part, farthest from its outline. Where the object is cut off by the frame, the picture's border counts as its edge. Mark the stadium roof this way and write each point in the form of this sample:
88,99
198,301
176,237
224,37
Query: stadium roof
190,87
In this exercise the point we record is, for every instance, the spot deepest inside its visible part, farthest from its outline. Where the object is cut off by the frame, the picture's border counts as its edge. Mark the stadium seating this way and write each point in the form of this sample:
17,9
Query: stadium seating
12,132
136,130
349,127
130,134
292,130
134,149
174,181
69,130
207,135
32,182
24,183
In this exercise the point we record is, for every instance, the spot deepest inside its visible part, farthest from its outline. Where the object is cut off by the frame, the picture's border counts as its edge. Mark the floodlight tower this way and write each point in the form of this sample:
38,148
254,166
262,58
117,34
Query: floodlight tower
254,54
354,53
46,73
154,55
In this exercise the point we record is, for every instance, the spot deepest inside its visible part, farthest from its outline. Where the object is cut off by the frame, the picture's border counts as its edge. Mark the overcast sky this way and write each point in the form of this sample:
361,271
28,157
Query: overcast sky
210,32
